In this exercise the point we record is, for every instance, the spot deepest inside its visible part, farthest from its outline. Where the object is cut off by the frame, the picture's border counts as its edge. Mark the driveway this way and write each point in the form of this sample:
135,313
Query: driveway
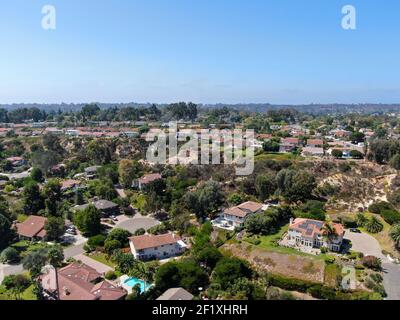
362,242
368,245
6,270
137,222
74,251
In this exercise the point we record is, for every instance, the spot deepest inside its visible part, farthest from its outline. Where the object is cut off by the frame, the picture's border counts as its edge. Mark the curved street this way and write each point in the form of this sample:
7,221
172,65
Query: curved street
137,222
368,245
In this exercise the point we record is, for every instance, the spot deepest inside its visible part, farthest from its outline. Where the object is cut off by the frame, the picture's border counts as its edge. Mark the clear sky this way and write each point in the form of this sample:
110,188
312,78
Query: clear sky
205,51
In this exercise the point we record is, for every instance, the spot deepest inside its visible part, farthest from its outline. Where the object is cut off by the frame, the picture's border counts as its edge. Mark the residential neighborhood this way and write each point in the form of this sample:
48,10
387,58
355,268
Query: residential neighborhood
106,224
199,159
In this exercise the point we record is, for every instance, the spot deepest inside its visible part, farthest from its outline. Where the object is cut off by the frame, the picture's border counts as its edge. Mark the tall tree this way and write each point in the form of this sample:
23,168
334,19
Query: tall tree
54,228
128,170
88,221
32,198
6,233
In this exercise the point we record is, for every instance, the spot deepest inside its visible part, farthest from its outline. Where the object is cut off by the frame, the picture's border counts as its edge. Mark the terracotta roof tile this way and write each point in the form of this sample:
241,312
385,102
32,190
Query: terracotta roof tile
150,241
32,227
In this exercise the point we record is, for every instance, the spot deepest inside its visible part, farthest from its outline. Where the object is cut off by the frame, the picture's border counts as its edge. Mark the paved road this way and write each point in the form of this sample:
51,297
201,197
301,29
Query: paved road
368,245
73,251
138,222
6,270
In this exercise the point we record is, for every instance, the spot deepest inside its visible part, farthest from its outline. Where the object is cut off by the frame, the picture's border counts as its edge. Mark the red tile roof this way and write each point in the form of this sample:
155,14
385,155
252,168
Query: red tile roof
150,241
315,142
147,178
32,227
66,184
244,209
310,228
290,141
77,282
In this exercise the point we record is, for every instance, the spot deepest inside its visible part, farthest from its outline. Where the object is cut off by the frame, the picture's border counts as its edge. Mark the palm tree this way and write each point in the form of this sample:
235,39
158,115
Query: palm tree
143,271
395,235
374,225
361,220
329,231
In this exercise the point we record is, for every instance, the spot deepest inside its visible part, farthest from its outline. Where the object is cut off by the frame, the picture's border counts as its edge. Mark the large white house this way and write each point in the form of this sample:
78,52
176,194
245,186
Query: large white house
235,216
308,234
162,246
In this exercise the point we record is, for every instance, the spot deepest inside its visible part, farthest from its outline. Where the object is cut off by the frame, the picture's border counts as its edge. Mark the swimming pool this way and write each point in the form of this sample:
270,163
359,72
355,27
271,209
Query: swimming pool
131,282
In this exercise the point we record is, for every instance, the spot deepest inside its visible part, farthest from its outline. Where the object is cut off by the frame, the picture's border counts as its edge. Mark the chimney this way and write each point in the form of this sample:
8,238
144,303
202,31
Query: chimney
66,291
291,221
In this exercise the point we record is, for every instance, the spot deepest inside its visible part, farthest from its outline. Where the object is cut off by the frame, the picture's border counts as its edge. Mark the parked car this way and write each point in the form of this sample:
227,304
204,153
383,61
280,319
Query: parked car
355,230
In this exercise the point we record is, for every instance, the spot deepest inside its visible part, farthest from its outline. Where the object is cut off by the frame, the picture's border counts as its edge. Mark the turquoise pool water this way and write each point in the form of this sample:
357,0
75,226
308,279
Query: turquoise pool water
131,282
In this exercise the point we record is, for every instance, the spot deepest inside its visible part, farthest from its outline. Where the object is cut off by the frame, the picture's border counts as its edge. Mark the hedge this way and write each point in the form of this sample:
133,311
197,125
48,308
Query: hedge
391,216
317,290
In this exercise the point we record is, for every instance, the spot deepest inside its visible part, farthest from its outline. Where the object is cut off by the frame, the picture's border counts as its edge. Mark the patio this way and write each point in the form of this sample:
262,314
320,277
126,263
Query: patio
284,242
222,224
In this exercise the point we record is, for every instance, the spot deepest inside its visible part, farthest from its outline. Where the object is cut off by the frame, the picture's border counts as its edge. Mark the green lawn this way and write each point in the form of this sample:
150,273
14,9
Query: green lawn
102,258
22,217
278,156
26,295
269,243
24,246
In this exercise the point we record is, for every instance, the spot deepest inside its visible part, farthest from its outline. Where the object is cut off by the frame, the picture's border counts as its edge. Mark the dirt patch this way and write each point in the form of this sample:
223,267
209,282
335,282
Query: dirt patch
292,266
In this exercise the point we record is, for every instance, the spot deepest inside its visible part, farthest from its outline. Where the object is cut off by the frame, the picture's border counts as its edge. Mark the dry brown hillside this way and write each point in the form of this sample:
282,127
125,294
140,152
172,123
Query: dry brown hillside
357,186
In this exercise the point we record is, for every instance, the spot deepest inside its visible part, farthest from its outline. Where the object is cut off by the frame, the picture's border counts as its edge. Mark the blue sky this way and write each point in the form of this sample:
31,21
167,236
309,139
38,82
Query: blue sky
206,51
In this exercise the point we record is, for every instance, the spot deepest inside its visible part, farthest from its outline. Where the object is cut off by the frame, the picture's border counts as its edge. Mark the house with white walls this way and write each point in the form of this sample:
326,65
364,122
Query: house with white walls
162,246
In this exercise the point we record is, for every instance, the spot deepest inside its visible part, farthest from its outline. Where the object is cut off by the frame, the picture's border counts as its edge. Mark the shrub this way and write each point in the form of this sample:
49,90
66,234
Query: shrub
361,220
111,245
378,207
235,199
349,222
344,167
329,259
377,277
254,241
313,209
372,262
121,235
353,255
355,154
140,232
374,225
96,241
394,197
228,270
9,255
158,229
376,287
16,281
390,216
337,153
110,275
318,291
